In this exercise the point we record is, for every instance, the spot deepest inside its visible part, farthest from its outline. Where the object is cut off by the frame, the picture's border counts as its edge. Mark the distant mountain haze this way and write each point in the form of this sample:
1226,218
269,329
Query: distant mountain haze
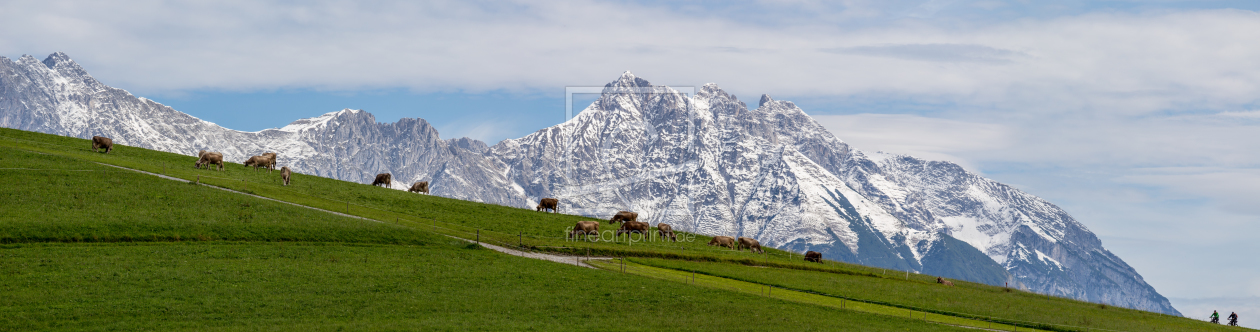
704,163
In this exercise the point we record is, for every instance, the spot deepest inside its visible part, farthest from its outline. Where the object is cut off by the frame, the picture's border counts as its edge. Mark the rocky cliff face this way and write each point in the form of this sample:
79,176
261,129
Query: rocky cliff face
704,163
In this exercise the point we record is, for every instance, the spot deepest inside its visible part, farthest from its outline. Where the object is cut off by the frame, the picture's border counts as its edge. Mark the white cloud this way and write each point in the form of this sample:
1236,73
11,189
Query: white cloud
1234,190
1114,62
933,52
488,131
928,138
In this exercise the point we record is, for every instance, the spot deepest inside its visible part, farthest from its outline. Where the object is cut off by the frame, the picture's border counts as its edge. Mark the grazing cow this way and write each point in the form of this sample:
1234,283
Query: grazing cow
257,161
201,153
548,203
723,241
285,173
210,158
271,160
586,228
751,244
813,256
624,216
105,143
383,179
633,227
420,187
942,281
666,231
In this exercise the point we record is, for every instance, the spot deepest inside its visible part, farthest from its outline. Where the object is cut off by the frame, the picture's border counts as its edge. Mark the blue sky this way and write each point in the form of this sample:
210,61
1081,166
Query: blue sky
1140,118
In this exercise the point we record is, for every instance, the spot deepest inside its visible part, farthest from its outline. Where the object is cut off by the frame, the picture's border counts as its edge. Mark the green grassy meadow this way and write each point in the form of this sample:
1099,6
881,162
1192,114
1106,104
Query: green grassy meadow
86,246
443,285
964,300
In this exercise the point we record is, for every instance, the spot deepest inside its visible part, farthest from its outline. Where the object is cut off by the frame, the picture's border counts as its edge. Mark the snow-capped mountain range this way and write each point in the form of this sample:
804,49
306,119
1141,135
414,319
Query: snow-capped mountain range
704,163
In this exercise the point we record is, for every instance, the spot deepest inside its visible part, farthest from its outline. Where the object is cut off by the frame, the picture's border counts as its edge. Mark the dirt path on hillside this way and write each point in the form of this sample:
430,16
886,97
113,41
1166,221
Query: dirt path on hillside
571,260
242,193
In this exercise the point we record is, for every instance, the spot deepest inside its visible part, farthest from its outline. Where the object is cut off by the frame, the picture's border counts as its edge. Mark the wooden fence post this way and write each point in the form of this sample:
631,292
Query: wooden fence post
479,236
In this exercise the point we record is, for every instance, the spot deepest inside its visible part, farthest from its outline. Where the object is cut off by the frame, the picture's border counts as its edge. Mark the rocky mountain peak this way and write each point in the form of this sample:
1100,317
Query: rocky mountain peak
627,80
28,60
62,64
58,59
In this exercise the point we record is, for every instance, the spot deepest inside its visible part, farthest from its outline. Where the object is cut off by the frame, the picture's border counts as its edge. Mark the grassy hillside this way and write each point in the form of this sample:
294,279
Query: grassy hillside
440,285
496,224
185,256
964,300
50,198
92,247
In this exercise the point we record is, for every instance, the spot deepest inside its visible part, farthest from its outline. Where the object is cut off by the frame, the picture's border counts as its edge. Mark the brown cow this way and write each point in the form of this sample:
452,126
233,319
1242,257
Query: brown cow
624,216
813,256
271,160
383,179
942,281
258,161
548,203
210,158
420,187
633,227
586,228
723,241
285,173
99,142
666,231
751,244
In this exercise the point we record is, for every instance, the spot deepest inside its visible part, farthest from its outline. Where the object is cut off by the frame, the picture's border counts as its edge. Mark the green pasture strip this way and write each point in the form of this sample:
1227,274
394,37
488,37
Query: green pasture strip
50,198
447,285
630,266
967,300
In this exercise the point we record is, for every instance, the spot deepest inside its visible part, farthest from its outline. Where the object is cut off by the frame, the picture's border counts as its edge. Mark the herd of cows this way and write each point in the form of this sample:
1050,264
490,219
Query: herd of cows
630,224
629,220
266,160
